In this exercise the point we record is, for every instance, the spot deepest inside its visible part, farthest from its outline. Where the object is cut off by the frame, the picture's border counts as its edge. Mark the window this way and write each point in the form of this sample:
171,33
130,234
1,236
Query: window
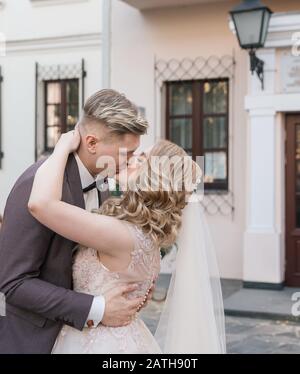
61,109
197,120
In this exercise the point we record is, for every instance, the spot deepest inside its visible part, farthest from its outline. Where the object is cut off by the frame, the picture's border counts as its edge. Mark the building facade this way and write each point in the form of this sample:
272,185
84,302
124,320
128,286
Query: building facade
180,62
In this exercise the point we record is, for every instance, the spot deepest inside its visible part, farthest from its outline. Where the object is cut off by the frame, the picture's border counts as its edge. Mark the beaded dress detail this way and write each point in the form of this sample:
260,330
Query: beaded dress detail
92,277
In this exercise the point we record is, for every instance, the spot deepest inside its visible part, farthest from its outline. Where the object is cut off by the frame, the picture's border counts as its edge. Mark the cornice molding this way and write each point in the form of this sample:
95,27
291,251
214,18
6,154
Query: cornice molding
55,42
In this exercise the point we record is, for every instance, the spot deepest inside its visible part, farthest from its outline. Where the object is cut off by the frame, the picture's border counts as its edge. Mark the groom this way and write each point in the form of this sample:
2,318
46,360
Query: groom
36,263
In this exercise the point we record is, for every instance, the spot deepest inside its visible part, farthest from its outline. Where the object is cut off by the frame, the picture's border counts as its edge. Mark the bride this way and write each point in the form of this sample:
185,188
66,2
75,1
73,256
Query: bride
122,244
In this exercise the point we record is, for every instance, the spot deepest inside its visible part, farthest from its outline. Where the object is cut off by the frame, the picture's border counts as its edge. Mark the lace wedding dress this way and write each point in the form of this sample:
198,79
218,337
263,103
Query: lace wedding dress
92,277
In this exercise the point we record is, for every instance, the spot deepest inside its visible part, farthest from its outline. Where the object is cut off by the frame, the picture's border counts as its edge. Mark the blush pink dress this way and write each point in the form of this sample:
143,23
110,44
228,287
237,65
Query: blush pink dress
92,277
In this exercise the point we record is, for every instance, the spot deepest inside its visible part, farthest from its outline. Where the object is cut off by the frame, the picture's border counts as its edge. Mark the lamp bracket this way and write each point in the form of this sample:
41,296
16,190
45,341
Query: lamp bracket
257,65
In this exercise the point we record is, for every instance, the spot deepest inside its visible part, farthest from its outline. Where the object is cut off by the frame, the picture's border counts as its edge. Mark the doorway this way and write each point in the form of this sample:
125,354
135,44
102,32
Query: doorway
292,199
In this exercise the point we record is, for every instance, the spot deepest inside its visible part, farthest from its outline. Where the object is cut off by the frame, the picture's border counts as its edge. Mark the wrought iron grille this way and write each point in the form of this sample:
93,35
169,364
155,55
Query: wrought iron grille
200,68
218,202
55,72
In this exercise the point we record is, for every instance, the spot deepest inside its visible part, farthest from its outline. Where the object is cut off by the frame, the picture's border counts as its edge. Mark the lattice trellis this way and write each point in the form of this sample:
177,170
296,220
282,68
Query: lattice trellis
213,67
198,68
218,202
60,71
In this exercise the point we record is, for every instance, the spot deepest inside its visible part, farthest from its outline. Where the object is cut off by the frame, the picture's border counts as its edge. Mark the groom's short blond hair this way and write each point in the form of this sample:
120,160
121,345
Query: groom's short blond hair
115,111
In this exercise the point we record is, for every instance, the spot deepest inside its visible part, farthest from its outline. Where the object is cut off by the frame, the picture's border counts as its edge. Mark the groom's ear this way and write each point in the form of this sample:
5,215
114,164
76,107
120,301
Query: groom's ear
91,142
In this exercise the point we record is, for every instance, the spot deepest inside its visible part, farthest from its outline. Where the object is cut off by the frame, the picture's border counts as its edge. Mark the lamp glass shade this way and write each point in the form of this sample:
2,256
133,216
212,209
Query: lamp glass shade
265,26
251,26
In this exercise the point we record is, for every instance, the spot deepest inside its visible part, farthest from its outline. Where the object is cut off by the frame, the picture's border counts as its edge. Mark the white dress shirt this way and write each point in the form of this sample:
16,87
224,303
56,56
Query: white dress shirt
91,202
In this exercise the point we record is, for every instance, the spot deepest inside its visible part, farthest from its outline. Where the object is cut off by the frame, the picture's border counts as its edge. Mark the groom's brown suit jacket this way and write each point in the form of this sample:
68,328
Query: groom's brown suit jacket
36,272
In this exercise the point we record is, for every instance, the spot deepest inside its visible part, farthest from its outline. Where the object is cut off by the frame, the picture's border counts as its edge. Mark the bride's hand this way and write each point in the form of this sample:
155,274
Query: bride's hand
69,141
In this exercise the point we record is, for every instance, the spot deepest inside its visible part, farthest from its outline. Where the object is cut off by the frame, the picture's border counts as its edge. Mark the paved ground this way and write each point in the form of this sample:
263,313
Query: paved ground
250,335
244,335
247,335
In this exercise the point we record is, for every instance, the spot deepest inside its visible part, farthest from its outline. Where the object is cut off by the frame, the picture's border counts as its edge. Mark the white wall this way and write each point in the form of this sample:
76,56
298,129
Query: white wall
27,19
191,31
54,34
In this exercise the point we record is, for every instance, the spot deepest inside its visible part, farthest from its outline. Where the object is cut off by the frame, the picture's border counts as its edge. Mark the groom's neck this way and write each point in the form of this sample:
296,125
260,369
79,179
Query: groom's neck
86,161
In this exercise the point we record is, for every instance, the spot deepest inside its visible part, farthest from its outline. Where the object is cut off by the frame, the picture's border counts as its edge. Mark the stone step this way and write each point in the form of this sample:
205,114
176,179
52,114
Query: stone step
266,304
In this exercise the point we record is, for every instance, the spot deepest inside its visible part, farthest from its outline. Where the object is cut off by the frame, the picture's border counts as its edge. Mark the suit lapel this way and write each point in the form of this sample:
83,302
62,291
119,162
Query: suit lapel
75,187
73,180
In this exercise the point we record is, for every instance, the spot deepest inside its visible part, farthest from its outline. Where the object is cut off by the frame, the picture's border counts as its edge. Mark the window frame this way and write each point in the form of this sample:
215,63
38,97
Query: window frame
63,107
198,117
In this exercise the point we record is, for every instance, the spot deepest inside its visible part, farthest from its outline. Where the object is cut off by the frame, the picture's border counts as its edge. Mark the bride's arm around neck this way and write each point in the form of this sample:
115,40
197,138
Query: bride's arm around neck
106,234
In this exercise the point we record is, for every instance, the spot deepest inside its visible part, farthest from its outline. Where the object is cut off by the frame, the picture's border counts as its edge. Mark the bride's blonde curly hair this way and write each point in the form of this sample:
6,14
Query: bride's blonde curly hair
157,193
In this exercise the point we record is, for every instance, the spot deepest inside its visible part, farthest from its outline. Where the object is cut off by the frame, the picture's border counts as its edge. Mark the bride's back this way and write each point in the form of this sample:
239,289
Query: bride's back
93,275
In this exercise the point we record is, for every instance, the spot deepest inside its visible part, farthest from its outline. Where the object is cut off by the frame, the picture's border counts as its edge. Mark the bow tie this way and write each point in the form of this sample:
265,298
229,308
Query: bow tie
90,187
94,185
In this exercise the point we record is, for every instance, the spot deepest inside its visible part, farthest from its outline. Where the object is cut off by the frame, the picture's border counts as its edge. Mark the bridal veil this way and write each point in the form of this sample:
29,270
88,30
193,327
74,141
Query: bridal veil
192,320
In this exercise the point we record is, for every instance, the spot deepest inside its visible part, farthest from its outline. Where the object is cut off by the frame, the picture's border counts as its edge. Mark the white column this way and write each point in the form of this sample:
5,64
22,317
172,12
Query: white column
106,43
262,241
262,260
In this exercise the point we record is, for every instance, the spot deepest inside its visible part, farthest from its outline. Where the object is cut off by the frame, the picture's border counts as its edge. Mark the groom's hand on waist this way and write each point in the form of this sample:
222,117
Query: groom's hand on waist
120,310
